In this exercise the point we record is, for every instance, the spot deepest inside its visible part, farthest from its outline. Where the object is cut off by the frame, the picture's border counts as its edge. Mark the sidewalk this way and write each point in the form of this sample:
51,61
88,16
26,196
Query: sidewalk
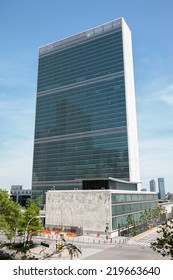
88,239
144,234
93,240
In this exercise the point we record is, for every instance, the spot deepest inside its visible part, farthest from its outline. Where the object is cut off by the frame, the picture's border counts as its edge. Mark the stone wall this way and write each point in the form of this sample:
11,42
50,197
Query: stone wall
90,210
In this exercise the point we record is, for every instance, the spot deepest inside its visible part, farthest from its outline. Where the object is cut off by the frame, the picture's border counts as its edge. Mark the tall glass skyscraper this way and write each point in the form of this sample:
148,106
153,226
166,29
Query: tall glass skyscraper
85,113
161,186
152,186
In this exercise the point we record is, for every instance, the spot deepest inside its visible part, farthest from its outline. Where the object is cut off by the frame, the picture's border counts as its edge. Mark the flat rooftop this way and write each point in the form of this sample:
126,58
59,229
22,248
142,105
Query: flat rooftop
107,190
77,38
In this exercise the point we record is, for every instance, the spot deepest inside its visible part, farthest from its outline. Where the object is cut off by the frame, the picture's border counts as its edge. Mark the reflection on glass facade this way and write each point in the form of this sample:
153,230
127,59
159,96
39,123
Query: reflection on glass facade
124,204
81,121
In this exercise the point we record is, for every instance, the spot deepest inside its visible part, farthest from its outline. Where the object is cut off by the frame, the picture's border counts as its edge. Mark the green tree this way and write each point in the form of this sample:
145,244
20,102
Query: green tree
146,215
130,220
142,218
150,214
130,223
10,215
164,244
160,210
30,223
156,213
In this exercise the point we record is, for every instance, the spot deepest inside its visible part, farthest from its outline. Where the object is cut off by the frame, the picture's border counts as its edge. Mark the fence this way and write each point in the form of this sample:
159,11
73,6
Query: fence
85,239
140,227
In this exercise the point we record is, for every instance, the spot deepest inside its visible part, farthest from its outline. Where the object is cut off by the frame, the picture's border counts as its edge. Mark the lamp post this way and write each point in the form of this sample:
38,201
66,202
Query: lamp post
28,226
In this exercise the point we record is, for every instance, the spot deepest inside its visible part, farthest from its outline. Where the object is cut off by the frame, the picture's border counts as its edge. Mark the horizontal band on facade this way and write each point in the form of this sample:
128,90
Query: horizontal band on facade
131,213
81,134
82,83
56,184
133,202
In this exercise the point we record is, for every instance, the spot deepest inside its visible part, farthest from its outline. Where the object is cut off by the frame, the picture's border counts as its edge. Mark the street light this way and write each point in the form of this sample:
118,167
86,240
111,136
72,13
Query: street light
28,226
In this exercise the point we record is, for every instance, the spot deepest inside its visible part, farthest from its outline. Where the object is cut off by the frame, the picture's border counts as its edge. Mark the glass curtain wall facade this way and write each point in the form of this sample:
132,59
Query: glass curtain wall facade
152,186
81,126
161,186
134,204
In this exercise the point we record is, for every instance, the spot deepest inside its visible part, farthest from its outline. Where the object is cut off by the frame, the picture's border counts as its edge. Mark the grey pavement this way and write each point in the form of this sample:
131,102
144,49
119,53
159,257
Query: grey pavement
136,248
123,252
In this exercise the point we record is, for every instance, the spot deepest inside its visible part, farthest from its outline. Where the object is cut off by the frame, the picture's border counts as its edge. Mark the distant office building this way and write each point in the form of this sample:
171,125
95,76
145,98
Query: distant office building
20,195
161,186
152,186
16,187
86,114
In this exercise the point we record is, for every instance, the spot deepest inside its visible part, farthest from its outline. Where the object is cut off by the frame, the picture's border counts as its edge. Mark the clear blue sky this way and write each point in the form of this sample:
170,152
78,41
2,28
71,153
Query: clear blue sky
27,25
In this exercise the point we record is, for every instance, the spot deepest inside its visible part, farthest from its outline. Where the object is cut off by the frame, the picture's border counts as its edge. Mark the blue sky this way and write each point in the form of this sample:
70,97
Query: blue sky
27,25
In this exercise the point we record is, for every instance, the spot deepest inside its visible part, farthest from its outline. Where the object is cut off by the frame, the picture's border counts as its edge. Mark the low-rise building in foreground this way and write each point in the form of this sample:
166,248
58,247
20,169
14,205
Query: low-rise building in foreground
94,211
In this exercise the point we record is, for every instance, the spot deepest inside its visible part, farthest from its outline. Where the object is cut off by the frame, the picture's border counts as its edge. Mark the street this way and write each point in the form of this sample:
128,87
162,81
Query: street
136,248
